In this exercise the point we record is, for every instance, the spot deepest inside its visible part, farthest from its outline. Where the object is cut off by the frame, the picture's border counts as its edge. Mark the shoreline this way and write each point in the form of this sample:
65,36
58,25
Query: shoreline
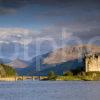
44,78
8,79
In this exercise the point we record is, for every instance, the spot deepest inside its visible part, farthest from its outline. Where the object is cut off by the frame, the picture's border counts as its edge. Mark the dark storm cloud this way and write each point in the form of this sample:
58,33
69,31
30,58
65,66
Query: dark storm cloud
19,3
8,4
77,15
87,35
4,11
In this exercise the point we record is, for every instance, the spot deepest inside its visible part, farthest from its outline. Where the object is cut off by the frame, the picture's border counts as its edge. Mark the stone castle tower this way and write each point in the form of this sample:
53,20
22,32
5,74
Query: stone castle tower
92,63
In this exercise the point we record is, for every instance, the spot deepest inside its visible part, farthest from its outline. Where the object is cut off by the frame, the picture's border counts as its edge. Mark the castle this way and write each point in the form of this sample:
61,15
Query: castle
92,63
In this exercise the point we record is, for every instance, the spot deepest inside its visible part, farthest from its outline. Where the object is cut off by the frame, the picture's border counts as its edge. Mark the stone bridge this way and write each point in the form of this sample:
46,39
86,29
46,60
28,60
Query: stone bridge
30,77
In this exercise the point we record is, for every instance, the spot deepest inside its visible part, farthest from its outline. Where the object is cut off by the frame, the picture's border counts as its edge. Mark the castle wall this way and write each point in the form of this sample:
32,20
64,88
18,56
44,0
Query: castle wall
92,63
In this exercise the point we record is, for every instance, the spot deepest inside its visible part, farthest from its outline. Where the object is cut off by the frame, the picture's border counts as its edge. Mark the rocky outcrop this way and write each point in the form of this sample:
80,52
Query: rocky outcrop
69,53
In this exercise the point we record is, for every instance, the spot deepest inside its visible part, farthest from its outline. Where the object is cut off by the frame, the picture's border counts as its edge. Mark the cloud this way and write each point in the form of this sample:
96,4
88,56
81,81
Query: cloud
14,31
87,35
16,35
4,11
21,3
1,42
23,41
22,37
27,37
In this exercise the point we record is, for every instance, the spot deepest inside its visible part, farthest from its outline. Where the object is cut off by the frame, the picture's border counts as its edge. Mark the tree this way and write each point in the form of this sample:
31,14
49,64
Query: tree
78,70
68,73
51,75
6,70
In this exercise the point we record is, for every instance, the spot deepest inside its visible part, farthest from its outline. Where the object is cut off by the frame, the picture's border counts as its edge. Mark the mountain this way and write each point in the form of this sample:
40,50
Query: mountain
59,68
69,53
17,63
4,61
32,65
60,60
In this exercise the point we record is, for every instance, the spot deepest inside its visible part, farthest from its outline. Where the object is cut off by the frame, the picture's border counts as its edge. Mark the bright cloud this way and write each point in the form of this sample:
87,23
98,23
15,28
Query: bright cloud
14,31
18,35
26,36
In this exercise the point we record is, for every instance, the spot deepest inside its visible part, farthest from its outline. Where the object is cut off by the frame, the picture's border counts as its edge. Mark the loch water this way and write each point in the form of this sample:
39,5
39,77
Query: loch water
50,90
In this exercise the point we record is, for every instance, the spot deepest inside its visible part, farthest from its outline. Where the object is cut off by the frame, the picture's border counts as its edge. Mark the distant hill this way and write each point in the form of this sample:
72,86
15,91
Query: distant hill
32,65
4,61
59,68
17,63
60,60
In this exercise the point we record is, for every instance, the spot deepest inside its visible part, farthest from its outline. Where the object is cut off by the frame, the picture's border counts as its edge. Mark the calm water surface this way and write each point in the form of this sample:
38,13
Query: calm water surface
49,90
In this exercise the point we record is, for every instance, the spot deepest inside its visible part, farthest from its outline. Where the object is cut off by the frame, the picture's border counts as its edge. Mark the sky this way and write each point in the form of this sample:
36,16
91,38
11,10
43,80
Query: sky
24,24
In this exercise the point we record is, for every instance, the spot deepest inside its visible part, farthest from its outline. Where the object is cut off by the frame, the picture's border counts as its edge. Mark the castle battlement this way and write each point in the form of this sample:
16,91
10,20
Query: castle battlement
92,62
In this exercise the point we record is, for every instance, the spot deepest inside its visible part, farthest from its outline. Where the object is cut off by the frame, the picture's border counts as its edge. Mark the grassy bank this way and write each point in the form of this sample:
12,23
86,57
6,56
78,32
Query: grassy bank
74,78
70,76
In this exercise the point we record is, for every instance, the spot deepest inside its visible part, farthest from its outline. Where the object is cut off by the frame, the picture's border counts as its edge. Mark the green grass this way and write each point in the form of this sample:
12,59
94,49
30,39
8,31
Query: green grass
79,76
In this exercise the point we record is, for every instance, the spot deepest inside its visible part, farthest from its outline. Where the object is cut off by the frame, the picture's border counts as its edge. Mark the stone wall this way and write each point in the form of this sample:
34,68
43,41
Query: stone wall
92,63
